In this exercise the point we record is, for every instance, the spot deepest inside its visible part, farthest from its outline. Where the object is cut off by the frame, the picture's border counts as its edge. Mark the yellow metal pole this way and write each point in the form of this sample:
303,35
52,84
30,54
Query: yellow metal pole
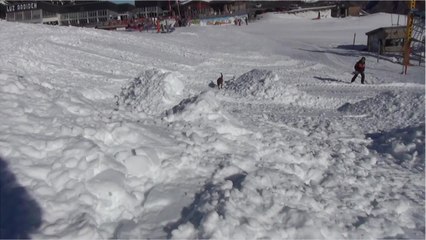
408,33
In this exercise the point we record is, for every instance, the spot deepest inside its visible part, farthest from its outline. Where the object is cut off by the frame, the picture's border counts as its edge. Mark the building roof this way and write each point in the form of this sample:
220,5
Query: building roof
384,28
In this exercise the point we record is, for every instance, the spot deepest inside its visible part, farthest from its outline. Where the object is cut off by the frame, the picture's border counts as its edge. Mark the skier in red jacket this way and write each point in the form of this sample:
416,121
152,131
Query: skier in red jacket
359,69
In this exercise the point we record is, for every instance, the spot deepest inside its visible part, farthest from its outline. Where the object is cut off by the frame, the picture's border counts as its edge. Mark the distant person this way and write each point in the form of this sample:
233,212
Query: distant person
246,19
159,26
148,26
359,69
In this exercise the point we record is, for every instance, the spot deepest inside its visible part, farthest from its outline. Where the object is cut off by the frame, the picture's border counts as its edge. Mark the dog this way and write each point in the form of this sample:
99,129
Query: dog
220,81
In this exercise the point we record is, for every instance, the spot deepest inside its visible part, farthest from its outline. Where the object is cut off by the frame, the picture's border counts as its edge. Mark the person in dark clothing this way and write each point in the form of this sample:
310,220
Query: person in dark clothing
359,69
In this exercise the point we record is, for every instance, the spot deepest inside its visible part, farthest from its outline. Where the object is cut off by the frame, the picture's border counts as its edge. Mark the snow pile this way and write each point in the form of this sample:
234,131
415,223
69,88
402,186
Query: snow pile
264,84
404,146
83,170
245,204
404,108
207,211
152,92
207,109
204,105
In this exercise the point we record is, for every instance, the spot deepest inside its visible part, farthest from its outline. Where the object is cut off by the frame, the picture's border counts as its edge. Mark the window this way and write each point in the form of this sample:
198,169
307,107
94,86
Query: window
102,12
73,15
92,14
93,20
47,14
83,21
82,15
397,42
27,15
36,14
18,16
10,16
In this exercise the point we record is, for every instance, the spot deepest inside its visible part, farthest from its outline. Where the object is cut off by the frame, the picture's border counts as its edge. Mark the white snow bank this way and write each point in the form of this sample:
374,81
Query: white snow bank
206,108
152,92
404,108
264,84
82,170
203,105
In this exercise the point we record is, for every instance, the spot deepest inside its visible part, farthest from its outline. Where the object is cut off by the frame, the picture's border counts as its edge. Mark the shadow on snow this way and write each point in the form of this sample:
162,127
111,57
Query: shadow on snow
211,196
356,51
330,79
20,214
405,146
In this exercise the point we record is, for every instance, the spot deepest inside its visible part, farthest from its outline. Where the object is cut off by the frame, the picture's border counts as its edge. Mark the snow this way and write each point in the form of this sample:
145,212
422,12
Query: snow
125,135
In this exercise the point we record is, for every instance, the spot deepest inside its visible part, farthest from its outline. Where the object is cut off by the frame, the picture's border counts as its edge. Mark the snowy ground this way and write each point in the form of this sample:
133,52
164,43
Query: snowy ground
124,135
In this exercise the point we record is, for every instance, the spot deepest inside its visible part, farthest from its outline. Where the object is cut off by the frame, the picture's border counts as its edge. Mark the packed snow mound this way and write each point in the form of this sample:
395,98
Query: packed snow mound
253,82
204,105
404,146
264,84
205,108
407,107
152,92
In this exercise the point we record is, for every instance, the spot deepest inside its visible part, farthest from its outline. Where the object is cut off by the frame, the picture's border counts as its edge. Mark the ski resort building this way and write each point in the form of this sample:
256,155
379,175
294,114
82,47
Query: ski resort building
386,39
345,9
86,14
206,9
313,12
213,12
152,9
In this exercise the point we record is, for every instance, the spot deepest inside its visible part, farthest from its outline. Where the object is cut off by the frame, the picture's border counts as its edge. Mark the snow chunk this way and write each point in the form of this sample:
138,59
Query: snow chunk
113,198
152,92
206,108
204,105
185,231
141,164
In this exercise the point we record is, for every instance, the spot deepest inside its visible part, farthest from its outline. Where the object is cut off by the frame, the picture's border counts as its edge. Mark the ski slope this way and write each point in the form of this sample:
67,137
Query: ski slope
124,135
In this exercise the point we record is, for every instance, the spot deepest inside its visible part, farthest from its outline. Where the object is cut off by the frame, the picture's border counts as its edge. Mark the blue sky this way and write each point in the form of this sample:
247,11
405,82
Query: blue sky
124,1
